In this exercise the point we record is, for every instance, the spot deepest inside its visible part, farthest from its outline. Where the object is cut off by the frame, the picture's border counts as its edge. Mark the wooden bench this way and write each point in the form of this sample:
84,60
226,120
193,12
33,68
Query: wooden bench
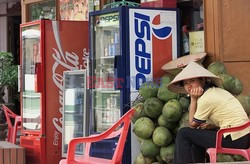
11,153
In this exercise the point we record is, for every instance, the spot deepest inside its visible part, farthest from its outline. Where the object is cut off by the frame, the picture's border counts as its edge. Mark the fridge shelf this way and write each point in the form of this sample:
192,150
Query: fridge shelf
31,96
100,90
74,113
107,25
108,57
114,91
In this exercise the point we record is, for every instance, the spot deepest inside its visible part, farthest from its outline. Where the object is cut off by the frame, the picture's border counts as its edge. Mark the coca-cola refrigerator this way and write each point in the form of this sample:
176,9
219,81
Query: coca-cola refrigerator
47,49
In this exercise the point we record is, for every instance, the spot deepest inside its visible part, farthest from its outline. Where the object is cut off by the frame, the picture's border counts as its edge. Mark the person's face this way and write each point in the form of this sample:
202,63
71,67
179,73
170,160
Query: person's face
190,84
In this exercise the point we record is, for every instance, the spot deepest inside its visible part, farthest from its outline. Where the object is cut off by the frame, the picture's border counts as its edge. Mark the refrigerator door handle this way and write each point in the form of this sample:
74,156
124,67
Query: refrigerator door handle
38,77
19,82
117,79
116,60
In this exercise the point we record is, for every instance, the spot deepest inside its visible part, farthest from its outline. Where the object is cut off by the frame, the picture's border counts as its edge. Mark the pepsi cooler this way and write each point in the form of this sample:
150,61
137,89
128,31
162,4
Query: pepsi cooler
128,46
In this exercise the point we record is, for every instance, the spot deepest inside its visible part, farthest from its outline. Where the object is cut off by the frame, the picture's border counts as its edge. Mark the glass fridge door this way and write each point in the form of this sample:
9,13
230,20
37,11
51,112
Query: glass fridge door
105,97
74,108
31,100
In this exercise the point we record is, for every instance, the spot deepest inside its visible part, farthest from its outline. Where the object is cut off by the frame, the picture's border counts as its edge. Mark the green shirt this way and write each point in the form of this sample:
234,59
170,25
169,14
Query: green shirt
222,109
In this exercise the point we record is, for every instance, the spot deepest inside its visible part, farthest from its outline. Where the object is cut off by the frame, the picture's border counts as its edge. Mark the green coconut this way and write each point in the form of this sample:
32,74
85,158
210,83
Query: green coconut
162,136
185,102
245,102
228,82
165,94
148,89
138,111
143,160
239,158
184,121
166,79
217,68
153,107
162,121
159,159
149,148
144,127
238,87
167,153
172,110
225,158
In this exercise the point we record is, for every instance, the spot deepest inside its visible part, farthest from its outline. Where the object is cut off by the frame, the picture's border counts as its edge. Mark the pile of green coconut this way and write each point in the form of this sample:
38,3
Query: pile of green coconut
160,113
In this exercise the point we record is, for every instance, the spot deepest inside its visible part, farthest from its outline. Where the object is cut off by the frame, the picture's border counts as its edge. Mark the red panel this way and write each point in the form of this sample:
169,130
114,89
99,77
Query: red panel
38,75
160,3
65,44
33,146
162,52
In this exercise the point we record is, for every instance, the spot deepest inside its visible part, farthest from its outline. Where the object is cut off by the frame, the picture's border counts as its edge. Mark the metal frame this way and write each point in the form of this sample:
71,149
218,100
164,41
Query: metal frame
41,24
75,72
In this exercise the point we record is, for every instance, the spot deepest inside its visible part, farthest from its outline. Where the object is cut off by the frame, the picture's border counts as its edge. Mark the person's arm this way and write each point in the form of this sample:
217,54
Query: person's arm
194,94
208,126
192,110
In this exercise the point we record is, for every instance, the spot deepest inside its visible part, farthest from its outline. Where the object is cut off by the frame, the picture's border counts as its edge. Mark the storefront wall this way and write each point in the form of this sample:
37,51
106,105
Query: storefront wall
227,36
25,8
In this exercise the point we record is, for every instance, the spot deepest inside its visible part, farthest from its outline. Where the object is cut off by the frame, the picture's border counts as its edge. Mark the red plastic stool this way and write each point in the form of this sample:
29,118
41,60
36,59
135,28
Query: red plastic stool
219,149
110,133
12,130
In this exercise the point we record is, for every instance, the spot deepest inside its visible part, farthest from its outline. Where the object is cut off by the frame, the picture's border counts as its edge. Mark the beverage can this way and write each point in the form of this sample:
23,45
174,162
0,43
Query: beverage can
111,50
112,40
104,117
116,49
108,103
116,37
105,51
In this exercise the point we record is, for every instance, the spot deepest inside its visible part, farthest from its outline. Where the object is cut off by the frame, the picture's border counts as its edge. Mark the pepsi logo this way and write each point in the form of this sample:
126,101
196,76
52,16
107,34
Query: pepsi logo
142,53
159,30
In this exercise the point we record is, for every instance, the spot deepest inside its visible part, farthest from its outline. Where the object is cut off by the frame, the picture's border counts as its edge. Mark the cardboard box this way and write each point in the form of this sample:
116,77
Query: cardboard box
196,42
11,153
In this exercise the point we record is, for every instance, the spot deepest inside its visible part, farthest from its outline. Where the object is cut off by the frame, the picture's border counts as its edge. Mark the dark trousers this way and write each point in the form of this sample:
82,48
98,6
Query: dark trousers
191,144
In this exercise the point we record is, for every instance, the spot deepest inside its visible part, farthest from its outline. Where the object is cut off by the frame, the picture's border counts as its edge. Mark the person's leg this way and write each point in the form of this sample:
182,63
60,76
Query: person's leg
198,153
187,137
183,148
241,143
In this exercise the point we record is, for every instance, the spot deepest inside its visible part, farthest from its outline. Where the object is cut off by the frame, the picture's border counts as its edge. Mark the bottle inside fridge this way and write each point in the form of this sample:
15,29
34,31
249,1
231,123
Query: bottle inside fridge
109,113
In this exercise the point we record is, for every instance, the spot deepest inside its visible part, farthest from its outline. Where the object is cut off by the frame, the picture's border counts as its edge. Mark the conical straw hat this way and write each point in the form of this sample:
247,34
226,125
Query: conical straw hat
175,66
192,70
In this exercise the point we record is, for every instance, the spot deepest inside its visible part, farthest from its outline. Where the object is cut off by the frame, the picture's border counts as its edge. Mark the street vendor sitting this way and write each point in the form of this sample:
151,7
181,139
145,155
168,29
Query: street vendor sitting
211,108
